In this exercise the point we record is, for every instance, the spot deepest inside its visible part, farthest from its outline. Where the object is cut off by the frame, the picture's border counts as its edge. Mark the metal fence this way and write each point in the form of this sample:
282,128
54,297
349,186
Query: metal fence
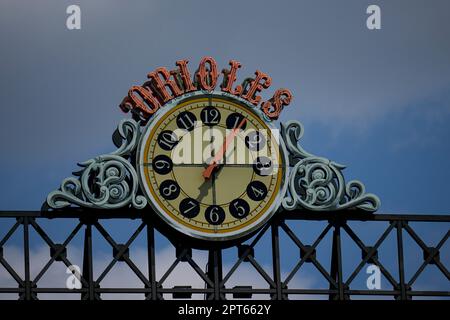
333,226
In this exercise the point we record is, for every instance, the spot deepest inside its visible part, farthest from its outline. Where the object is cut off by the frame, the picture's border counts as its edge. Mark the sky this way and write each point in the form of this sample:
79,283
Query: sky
377,101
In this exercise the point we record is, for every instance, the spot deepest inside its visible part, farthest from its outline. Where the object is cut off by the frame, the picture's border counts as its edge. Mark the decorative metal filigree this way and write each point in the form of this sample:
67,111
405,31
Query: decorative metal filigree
108,181
316,183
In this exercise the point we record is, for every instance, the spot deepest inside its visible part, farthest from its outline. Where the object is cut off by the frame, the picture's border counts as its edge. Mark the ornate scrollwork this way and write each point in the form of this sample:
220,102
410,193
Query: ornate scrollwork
107,181
316,183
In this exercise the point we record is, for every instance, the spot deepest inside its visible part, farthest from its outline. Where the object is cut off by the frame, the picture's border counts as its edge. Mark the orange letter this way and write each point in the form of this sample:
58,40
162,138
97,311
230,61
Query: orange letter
207,79
257,86
229,76
184,71
281,98
161,84
141,99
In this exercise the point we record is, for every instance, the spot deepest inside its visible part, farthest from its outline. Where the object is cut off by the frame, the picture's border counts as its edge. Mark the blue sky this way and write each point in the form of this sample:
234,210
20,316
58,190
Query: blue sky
377,101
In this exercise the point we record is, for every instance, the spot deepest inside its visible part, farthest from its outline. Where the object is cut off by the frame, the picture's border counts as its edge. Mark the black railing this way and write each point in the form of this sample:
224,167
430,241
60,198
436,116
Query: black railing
338,276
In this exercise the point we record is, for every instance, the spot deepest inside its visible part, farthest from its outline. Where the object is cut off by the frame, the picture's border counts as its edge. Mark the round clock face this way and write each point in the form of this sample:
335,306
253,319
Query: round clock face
211,167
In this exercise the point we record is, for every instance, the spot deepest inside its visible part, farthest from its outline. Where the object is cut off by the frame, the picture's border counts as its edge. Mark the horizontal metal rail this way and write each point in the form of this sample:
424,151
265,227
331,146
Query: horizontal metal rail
216,287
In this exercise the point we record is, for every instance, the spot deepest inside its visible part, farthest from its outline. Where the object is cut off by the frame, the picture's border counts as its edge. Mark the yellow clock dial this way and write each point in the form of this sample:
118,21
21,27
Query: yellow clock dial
230,140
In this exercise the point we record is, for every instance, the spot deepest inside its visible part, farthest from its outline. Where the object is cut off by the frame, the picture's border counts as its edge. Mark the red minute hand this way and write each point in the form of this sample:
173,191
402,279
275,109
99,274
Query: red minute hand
208,171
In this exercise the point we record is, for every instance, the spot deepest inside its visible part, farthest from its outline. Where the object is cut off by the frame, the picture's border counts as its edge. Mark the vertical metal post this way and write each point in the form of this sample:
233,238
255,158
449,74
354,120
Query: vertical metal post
151,260
276,262
26,247
215,271
401,266
88,272
336,262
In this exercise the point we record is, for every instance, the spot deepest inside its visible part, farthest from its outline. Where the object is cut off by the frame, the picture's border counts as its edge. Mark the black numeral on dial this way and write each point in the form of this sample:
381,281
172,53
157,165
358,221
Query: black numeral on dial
167,140
186,120
234,119
169,189
210,116
256,190
189,208
239,208
162,164
255,141
215,215
263,166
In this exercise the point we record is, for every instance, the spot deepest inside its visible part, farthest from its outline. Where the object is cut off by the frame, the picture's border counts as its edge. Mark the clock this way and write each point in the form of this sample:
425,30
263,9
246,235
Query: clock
212,166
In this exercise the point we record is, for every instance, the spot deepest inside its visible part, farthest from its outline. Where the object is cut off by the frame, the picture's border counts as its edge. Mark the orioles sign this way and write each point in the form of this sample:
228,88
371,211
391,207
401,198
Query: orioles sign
164,85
